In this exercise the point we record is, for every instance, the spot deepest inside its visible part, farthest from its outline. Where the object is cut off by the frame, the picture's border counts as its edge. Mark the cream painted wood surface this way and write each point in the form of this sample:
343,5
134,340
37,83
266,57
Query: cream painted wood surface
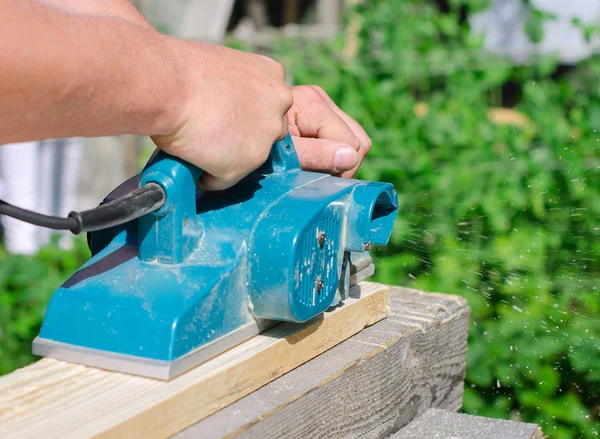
56,399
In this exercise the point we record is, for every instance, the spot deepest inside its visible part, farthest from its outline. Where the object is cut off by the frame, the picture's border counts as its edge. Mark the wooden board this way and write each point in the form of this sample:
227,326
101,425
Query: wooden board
369,386
56,399
443,424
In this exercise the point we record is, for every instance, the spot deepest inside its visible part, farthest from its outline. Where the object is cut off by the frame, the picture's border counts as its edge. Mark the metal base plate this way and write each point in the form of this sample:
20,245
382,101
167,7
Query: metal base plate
166,370
162,370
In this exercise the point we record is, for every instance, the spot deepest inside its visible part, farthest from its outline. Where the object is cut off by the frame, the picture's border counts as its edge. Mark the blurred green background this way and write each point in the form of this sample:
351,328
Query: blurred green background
503,212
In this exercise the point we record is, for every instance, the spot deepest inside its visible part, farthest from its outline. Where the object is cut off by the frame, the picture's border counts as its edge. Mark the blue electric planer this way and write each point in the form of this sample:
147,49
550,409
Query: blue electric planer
204,271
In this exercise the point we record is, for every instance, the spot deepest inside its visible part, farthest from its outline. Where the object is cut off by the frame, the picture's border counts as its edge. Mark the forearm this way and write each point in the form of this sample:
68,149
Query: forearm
84,76
115,8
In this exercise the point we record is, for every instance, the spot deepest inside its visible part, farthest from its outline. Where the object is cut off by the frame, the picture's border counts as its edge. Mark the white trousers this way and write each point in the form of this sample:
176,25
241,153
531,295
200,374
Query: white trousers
40,176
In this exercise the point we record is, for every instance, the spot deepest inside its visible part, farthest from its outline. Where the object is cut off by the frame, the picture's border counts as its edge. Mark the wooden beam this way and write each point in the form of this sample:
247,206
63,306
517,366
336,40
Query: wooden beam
56,399
371,385
443,424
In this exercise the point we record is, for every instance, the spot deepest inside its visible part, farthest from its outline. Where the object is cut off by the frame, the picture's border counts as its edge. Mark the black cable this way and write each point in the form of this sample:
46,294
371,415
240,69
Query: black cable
135,204
146,199
51,222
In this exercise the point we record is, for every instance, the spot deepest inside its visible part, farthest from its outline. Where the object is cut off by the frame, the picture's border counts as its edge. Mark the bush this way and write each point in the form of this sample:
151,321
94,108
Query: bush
506,216
26,284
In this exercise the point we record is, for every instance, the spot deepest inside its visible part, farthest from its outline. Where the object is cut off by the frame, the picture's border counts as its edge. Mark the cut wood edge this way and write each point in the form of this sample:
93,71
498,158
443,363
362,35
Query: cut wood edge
56,399
442,423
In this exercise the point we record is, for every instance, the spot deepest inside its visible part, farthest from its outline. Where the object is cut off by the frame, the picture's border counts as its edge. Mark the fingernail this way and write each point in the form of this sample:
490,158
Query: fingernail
345,158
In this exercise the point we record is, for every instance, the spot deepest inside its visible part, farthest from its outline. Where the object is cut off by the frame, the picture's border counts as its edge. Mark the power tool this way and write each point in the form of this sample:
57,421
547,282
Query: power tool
179,275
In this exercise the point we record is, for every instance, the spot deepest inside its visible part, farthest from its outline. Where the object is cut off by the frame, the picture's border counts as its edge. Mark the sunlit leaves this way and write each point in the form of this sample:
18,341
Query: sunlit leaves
26,284
506,215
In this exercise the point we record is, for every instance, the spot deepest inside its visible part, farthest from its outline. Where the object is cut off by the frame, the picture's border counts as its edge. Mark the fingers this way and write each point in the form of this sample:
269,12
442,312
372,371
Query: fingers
365,140
323,155
312,116
319,155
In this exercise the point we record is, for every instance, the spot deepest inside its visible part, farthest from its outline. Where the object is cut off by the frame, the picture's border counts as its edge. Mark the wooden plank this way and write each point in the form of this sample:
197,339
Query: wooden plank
443,424
369,386
56,399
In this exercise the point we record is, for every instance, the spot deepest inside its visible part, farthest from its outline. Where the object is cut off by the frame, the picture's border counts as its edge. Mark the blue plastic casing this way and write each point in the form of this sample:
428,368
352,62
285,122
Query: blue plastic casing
206,264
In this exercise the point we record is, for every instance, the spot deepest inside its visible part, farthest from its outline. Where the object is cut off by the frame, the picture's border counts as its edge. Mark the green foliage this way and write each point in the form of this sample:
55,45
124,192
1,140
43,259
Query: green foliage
506,216
26,284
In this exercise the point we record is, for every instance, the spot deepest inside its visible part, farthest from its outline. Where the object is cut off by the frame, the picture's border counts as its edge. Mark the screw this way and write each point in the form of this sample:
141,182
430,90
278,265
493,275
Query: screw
321,239
366,246
319,284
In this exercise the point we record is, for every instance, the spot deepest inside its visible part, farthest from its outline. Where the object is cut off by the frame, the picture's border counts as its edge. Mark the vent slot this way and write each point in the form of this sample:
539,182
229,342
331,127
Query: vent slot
317,262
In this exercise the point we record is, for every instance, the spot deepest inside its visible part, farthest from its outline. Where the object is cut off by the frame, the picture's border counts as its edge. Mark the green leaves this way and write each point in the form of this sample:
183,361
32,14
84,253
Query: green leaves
503,214
535,22
26,284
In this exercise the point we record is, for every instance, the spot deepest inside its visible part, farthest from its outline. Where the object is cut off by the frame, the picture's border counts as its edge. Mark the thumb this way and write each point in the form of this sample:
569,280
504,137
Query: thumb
324,155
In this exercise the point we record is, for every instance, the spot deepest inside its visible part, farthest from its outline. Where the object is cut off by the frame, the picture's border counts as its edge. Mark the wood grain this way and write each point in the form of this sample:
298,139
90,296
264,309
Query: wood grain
443,424
369,386
56,399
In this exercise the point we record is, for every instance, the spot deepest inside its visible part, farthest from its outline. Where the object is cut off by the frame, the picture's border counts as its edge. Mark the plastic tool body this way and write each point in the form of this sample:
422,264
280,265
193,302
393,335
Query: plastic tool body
206,271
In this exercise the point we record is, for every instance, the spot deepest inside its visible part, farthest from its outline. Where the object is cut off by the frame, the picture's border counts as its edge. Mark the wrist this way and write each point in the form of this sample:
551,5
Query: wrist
173,97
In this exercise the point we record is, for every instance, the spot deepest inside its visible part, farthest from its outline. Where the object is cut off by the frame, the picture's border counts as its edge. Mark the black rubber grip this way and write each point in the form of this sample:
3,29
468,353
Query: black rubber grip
146,199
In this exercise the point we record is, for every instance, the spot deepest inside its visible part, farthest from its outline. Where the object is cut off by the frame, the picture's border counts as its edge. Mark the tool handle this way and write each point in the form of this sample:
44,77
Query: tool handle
163,233
282,158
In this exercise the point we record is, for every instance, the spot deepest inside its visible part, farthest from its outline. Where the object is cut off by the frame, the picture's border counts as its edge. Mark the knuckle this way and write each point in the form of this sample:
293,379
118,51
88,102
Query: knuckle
257,162
308,159
319,90
308,92
229,175
279,69
366,145
259,157
278,130
274,65
283,132
264,155
287,98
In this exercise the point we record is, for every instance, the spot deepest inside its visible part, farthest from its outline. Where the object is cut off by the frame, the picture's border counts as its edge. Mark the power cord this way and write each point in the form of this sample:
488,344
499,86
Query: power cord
146,199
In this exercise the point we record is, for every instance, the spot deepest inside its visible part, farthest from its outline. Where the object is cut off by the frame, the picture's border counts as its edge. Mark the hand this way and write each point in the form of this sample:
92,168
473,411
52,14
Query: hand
234,107
326,138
